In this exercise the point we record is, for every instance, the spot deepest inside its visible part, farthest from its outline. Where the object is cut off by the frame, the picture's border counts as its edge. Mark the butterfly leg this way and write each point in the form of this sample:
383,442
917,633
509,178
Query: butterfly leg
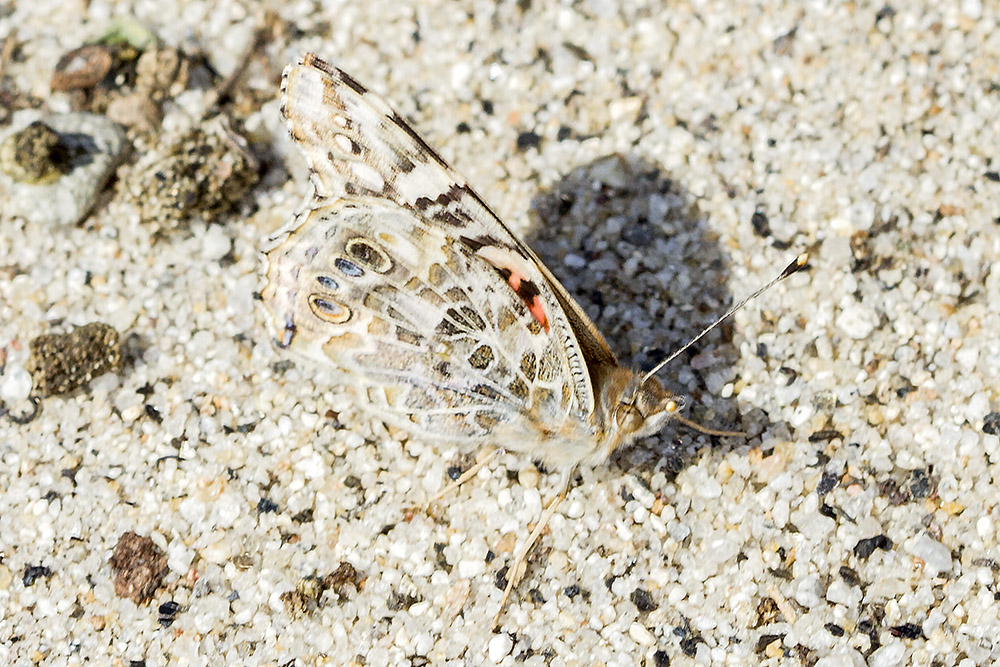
488,454
519,564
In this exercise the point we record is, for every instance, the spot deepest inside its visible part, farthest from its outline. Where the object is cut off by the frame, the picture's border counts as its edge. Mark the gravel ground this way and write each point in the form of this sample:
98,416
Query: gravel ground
184,493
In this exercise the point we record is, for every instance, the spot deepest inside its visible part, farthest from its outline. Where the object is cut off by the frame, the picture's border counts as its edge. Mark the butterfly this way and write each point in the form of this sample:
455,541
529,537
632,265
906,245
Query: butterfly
399,277
437,317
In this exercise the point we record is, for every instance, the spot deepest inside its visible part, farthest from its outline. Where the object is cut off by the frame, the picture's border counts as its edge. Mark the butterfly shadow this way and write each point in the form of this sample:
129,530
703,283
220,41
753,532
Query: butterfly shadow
630,245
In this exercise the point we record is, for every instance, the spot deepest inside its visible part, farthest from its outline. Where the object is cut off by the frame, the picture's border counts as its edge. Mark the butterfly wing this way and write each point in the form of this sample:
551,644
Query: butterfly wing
397,272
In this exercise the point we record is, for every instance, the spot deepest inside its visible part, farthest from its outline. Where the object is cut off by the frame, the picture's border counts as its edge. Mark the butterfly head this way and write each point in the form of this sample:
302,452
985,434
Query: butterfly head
635,407
645,408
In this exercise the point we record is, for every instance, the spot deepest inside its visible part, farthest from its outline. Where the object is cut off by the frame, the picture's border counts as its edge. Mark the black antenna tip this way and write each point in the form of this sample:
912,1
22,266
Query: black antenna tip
796,264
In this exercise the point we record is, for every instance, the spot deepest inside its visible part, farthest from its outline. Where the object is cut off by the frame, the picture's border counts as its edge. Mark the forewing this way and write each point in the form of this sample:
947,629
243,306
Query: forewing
360,149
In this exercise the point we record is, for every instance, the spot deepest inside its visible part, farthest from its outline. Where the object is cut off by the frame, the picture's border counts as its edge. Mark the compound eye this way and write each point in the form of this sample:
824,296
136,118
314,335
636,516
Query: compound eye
628,418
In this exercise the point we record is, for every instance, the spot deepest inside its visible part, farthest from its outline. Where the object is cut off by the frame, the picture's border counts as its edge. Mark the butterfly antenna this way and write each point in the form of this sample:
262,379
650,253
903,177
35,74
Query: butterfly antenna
792,267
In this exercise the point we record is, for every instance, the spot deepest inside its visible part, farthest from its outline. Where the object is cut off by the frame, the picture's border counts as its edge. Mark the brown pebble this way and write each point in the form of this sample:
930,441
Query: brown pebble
136,111
341,580
297,603
82,68
139,567
35,155
62,363
203,173
305,598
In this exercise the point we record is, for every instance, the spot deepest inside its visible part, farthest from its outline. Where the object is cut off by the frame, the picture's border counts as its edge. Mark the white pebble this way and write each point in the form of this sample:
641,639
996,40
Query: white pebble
857,321
16,385
575,510
470,568
678,530
935,555
215,244
889,655
460,73
709,489
499,647
419,609
984,527
850,658
218,552
640,635
973,9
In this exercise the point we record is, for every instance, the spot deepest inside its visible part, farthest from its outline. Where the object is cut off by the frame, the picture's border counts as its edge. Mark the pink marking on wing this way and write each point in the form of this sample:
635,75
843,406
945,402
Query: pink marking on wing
537,308
513,268
534,302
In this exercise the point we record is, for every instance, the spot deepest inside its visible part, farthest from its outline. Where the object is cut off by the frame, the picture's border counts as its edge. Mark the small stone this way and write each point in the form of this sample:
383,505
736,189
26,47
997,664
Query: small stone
499,647
308,594
529,477
63,363
857,321
626,109
907,631
527,140
35,155
82,68
641,635
218,552
470,568
972,9
343,580
935,555
200,174
991,424
612,170
161,73
297,604
135,110
33,573
52,167
168,612
401,601
642,600
455,599
216,244
866,547
15,384
850,658
139,567
774,649
892,653
266,505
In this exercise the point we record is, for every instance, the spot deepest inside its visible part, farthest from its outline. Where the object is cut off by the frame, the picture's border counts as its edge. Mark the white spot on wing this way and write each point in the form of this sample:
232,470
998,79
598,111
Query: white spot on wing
402,248
344,143
367,177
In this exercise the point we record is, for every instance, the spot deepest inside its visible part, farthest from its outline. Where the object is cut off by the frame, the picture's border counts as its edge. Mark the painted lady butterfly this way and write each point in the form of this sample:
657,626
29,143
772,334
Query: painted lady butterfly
440,320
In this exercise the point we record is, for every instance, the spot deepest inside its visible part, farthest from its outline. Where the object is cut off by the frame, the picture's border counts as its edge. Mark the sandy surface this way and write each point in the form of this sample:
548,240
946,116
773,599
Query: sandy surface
664,160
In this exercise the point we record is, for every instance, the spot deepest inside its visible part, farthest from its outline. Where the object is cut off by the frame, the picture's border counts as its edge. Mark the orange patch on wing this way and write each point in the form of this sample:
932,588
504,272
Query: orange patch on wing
537,308
512,267
529,294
